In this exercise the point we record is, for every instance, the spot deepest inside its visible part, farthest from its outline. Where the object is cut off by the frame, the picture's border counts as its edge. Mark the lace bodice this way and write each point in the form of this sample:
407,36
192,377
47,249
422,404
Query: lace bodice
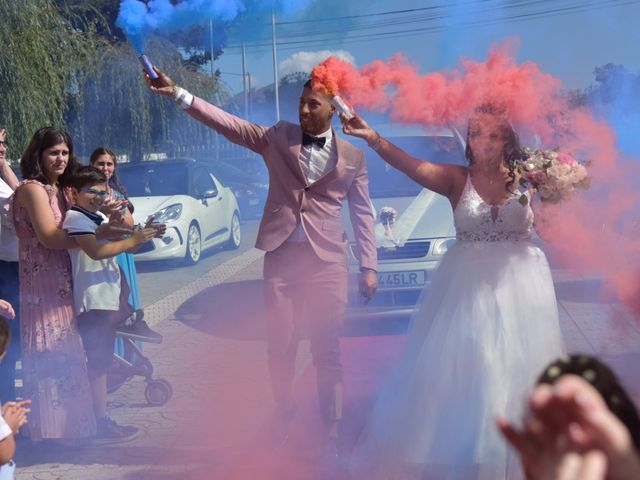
475,220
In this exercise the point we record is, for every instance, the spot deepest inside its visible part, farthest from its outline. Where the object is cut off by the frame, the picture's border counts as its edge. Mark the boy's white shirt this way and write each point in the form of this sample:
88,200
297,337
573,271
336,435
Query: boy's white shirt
96,283
6,470
5,429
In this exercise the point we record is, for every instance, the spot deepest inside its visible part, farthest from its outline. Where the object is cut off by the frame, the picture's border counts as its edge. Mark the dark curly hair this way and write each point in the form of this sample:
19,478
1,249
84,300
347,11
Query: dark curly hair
602,378
511,151
31,161
114,181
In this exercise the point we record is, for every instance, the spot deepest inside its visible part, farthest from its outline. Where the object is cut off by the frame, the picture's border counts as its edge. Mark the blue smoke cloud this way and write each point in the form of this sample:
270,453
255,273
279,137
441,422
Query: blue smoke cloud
139,21
616,97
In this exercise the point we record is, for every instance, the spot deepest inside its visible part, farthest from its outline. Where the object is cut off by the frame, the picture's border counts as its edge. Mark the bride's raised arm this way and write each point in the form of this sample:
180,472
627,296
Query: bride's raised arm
435,177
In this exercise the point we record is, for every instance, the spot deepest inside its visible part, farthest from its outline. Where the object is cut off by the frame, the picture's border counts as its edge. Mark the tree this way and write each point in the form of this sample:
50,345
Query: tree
42,61
64,62
115,108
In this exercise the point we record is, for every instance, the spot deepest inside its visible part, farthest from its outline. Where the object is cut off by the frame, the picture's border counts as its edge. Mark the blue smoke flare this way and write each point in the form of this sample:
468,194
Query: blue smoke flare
139,21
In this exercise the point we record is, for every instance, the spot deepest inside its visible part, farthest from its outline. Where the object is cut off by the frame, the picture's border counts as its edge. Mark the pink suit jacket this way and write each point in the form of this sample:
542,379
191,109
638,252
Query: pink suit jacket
291,199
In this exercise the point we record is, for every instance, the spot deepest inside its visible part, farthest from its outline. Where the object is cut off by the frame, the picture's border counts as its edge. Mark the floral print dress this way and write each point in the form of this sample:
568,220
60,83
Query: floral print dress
53,360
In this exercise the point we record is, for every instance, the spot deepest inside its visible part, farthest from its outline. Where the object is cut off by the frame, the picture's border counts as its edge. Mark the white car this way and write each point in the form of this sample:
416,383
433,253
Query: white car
199,211
414,226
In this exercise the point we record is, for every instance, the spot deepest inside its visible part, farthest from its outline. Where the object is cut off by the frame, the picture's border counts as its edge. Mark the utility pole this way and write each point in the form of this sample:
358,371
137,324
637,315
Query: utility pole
211,41
216,141
275,63
244,82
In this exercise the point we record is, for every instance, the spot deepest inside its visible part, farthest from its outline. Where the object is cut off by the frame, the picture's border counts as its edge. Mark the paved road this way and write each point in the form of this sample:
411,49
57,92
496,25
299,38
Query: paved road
216,424
158,279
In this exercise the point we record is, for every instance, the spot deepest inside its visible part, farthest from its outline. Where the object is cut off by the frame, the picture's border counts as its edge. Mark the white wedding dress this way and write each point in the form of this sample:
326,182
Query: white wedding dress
483,331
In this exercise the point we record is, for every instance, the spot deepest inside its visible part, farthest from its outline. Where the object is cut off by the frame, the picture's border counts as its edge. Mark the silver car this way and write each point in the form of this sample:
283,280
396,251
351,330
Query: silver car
414,226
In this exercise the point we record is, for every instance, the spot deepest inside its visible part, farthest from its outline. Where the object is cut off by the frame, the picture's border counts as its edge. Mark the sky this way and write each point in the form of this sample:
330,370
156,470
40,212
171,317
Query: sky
569,41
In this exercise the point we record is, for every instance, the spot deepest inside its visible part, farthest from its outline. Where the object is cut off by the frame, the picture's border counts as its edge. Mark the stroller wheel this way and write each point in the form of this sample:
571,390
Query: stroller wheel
158,392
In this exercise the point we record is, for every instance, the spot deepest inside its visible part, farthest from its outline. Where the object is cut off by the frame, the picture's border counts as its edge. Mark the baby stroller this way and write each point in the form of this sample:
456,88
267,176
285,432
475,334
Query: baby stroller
129,361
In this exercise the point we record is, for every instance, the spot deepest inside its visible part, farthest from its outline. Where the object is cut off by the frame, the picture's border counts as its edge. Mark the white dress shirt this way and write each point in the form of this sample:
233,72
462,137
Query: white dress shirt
315,162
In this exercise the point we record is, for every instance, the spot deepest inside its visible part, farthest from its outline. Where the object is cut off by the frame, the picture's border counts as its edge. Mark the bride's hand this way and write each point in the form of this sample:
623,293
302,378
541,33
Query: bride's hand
357,127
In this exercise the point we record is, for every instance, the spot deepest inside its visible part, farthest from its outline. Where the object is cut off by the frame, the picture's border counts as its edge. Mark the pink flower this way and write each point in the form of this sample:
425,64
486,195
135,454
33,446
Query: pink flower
564,158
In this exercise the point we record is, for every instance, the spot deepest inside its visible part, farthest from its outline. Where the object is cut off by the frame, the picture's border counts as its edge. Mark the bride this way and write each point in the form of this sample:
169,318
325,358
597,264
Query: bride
483,330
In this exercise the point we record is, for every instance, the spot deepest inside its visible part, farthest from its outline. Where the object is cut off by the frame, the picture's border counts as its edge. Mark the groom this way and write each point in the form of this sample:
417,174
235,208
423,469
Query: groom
311,171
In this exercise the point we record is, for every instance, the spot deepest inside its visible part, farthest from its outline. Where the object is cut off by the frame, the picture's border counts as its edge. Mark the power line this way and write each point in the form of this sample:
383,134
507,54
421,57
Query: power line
434,21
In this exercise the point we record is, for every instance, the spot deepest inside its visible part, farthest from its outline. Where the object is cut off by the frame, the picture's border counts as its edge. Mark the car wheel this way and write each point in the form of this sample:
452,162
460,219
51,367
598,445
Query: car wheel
235,236
194,245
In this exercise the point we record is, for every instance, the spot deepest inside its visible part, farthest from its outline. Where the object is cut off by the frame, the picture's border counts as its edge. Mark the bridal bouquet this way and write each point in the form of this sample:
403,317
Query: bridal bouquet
555,176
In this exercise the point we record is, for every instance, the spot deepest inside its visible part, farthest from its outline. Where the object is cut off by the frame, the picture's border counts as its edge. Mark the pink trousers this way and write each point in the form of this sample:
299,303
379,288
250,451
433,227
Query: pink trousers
305,295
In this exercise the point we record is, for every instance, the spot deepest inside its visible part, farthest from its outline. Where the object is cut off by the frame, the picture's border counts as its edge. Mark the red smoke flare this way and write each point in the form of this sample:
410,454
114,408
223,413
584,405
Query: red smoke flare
590,232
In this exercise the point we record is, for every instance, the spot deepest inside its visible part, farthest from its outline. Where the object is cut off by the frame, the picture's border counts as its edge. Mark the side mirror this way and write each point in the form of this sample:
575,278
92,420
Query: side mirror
209,194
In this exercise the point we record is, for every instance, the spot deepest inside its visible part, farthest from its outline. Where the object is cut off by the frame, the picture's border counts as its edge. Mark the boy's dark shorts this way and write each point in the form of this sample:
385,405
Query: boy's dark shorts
98,331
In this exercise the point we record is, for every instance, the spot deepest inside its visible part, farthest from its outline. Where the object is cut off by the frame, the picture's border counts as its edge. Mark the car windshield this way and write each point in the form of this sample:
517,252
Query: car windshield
386,181
154,180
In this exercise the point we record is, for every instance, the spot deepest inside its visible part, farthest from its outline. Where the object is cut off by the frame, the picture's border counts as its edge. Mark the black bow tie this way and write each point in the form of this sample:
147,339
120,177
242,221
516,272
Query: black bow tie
309,139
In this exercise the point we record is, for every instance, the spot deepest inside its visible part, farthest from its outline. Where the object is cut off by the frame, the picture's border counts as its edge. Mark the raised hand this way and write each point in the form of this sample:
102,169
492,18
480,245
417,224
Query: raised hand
571,431
357,127
162,85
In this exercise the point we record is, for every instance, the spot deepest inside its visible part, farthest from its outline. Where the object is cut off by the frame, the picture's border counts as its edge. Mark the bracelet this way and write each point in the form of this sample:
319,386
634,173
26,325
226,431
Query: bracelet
367,269
377,143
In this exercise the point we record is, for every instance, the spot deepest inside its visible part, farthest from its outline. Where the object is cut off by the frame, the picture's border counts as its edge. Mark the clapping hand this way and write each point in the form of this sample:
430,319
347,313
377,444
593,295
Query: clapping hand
6,310
112,231
15,414
143,235
113,208
160,228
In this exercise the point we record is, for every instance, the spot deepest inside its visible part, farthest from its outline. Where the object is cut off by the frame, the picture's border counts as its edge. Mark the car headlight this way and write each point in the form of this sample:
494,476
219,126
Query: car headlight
168,214
441,245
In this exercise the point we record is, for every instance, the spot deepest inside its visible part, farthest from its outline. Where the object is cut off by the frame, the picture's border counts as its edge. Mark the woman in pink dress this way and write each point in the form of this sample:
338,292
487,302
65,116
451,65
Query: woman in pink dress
53,360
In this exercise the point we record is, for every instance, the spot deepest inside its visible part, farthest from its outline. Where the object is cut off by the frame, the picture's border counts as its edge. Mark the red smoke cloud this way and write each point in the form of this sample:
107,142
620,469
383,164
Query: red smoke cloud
590,231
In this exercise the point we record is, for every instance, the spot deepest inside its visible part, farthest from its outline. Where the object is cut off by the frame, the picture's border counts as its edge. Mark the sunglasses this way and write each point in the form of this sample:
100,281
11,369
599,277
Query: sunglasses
4,142
95,193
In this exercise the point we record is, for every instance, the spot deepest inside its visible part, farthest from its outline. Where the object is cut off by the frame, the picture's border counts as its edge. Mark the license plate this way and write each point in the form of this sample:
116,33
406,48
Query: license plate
409,278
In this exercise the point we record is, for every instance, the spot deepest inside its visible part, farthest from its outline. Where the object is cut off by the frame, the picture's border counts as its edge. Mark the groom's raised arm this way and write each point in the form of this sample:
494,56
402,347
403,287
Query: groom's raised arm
234,129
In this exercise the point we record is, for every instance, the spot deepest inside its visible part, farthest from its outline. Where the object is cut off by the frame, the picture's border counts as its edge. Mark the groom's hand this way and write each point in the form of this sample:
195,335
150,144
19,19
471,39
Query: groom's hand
368,284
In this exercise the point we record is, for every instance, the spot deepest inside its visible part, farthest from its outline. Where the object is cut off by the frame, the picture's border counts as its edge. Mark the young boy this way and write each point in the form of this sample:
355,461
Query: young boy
99,290
14,414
